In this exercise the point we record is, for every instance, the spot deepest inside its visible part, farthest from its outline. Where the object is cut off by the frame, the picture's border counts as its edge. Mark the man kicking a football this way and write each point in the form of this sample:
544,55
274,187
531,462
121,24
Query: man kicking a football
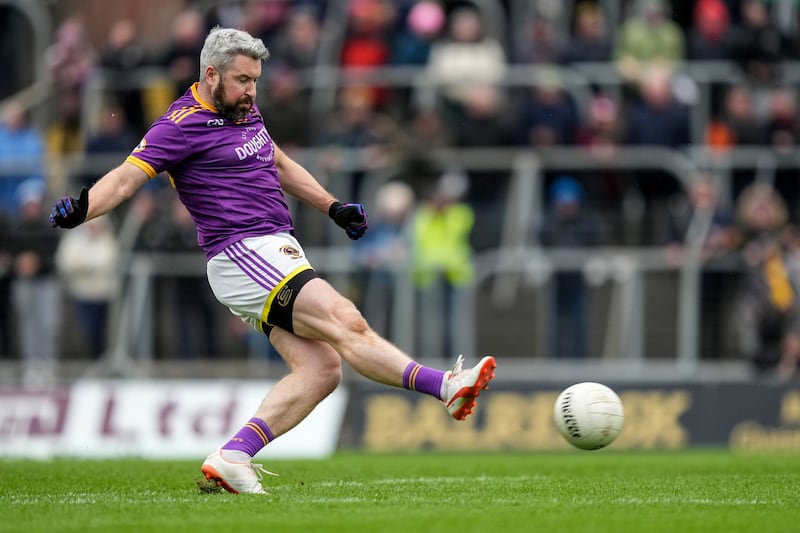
232,177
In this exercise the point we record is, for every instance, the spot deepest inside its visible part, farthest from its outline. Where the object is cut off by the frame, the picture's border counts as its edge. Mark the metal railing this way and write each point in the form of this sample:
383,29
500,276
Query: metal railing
503,273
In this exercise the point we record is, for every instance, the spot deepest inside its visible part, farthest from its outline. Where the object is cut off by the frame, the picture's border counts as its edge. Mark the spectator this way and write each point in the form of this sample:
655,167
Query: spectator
319,7
442,262
703,197
464,57
762,215
22,155
184,303
226,15
35,289
485,121
87,261
292,127
6,310
109,139
768,311
194,303
298,45
601,134
367,43
144,213
372,136
600,130
783,127
789,363
412,42
763,47
655,120
647,38
703,209
417,29
18,60
121,58
590,42
712,38
658,119
768,317
547,115
427,133
265,19
181,56
383,253
540,42
70,62
738,123
569,222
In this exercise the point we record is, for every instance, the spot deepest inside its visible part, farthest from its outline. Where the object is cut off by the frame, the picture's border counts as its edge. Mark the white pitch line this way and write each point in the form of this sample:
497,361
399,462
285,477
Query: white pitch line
696,501
83,498
425,481
724,502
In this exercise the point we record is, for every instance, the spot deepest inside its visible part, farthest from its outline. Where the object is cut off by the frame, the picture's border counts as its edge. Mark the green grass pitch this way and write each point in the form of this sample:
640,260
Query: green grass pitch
614,491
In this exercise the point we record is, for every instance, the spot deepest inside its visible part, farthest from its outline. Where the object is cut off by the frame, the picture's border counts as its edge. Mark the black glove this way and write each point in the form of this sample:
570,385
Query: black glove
69,212
351,217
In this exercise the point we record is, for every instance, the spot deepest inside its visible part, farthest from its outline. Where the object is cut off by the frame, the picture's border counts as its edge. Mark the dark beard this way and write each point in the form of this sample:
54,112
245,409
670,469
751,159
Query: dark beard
234,112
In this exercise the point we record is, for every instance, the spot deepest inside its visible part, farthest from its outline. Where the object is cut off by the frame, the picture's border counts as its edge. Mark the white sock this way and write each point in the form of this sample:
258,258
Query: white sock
235,456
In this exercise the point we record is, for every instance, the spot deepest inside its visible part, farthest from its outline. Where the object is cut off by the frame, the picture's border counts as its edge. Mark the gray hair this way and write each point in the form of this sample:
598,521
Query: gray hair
224,44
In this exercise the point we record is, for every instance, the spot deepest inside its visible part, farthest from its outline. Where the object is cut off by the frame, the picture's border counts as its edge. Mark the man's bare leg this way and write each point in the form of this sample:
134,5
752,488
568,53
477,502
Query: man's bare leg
315,370
320,312
327,326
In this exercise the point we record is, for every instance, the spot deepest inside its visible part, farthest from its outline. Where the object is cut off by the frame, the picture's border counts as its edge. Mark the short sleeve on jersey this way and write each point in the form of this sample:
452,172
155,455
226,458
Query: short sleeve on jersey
161,148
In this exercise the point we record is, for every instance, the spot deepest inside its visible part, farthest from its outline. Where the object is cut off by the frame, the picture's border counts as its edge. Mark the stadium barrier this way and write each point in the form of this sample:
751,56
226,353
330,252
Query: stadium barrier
151,419
664,416
185,419
507,306
647,309
515,266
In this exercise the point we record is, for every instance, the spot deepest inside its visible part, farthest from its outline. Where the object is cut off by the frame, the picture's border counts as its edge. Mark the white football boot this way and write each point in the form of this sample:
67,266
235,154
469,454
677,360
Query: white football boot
460,388
237,477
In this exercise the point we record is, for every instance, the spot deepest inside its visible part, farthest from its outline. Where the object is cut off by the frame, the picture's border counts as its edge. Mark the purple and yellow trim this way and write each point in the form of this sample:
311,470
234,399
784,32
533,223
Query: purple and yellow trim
144,165
258,430
179,114
199,100
410,376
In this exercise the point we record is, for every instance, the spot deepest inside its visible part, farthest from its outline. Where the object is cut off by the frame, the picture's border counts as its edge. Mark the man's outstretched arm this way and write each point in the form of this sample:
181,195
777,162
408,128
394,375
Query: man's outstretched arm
298,182
111,190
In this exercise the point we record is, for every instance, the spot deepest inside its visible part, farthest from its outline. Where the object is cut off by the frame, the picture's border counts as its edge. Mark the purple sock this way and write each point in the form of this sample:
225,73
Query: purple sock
423,379
253,436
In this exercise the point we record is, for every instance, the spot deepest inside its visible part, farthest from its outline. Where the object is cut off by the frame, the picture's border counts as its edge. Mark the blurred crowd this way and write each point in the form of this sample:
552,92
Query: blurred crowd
482,78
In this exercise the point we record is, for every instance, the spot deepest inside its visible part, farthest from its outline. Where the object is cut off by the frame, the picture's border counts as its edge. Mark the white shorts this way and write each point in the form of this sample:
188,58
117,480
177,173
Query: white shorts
258,279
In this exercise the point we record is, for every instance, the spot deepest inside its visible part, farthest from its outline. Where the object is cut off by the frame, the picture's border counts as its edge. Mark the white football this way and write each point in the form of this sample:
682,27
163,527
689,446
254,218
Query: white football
589,415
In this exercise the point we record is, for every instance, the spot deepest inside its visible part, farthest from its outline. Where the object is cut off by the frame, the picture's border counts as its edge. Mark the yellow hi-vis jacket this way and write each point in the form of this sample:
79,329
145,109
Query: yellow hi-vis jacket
441,244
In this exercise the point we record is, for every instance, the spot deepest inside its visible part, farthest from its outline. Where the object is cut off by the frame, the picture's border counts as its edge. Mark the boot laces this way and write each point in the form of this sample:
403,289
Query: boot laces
457,368
259,471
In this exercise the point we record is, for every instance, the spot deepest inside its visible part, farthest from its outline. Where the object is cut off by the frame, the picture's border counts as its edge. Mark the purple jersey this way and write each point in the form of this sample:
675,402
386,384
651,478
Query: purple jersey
224,172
